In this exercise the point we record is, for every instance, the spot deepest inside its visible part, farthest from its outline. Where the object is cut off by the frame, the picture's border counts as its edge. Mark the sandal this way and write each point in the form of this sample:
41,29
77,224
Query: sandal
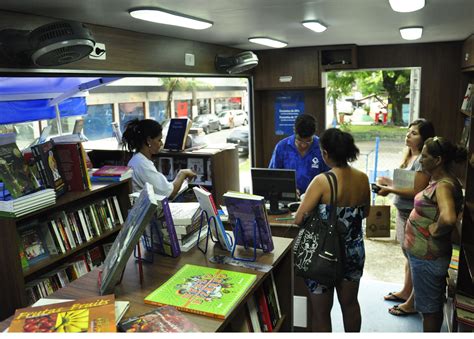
396,310
392,297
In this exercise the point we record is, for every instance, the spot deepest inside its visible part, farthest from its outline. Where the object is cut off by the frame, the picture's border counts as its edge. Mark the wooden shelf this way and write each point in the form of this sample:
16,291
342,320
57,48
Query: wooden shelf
338,57
468,251
279,323
55,258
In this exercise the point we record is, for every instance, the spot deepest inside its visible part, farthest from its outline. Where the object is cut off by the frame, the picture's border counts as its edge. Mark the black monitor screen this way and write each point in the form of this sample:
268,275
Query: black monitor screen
276,185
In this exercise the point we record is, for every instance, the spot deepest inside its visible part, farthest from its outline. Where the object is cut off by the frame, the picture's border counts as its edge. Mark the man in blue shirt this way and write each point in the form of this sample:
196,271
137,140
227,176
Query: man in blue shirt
300,152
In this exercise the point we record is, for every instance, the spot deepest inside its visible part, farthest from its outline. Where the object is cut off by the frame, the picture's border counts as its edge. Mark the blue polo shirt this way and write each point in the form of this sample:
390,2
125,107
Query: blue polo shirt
286,155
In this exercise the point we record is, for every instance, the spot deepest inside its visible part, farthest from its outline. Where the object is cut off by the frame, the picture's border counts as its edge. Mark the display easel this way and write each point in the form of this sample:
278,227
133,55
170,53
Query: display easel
239,231
203,217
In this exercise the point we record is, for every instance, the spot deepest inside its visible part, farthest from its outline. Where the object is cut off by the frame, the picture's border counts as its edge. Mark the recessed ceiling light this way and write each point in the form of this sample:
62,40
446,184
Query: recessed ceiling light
268,42
314,26
405,6
166,17
411,33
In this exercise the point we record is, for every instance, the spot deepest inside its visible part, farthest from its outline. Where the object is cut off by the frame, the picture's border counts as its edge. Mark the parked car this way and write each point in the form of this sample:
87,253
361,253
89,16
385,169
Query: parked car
208,122
239,117
240,136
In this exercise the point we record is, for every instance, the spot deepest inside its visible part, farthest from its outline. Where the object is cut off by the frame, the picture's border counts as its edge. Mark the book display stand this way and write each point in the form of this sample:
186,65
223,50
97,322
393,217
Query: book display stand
203,217
239,232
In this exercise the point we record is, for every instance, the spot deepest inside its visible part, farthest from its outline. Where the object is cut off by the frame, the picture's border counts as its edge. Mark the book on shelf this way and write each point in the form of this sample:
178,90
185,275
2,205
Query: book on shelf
32,242
466,133
72,161
161,231
203,290
454,263
165,167
206,202
49,166
271,298
95,314
14,171
264,310
28,203
465,317
138,218
253,313
177,133
250,210
464,302
161,319
113,171
468,99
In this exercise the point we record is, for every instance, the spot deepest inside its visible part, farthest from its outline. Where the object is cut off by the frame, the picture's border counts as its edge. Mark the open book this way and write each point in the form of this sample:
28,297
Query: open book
403,178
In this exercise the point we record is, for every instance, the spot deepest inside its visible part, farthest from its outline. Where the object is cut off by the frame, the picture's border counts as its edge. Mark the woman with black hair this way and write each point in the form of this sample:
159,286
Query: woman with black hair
144,138
353,203
418,132
430,226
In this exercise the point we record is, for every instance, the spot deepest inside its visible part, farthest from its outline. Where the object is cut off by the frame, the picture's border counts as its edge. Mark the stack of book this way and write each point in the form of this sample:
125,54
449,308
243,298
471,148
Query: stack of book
111,174
187,221
464,309
26,204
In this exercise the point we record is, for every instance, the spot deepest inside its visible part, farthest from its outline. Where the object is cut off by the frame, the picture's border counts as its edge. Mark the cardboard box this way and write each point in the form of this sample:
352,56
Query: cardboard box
378,222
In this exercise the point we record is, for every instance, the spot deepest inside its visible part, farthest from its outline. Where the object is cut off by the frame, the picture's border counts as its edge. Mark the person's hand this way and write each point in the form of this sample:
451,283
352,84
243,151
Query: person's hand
384,181
384,191
188,174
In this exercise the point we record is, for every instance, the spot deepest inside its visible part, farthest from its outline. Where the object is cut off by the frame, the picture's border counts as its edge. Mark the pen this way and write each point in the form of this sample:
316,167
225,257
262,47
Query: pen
283,219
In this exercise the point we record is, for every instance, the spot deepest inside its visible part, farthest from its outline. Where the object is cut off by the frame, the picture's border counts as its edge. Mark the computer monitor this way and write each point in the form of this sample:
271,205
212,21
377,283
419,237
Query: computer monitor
276,185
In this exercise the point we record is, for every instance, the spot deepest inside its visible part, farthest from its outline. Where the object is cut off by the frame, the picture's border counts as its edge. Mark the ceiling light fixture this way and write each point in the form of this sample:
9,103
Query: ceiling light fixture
268,42
166,17
314,25
406,6
411,33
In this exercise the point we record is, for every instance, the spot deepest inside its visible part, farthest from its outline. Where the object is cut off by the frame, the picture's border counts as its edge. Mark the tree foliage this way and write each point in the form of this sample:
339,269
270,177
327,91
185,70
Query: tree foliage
340,84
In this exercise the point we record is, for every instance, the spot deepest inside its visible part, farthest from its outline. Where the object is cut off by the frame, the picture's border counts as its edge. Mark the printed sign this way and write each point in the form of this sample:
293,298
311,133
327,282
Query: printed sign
288,105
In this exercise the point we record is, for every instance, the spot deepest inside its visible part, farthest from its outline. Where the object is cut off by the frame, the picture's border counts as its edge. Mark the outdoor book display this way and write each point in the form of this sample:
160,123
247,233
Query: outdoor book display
203,290
42,250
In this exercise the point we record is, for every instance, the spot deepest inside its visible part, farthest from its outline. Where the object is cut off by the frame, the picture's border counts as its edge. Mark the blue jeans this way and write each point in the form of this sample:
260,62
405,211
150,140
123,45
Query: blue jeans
429,283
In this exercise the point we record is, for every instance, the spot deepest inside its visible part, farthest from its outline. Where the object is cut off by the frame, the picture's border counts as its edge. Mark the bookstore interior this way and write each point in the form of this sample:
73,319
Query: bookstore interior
83,250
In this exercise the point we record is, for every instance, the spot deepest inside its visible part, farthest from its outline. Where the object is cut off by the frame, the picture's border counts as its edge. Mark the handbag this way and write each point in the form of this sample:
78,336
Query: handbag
319,247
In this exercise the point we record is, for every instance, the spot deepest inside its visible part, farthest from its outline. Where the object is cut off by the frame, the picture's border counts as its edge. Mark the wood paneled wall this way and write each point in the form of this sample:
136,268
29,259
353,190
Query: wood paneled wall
129,51
441,89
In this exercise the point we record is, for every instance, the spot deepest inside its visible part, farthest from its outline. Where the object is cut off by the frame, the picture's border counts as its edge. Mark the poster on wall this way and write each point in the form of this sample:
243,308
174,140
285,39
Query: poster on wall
288,105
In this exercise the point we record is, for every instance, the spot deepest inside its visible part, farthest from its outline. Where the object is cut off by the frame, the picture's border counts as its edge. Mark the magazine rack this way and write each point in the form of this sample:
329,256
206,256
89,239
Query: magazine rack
239,231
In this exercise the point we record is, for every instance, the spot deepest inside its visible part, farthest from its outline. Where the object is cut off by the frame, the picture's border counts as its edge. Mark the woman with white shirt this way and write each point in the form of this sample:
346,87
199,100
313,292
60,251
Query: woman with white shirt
144,138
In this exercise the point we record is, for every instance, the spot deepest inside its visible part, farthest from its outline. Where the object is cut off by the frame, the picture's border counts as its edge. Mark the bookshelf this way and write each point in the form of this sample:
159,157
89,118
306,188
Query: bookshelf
157,273
224,164
13,278
465,280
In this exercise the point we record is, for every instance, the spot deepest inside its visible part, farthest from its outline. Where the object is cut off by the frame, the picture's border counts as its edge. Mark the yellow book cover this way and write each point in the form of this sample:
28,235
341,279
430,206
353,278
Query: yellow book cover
95,314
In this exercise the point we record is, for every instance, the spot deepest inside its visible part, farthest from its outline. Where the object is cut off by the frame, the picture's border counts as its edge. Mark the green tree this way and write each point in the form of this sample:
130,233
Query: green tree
339,84
397,85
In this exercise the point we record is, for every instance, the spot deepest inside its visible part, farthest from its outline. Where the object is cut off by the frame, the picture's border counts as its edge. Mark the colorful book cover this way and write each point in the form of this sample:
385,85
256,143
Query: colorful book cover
95,314
32,242
46,154
203,290
162,319
70,162
249,210
15,172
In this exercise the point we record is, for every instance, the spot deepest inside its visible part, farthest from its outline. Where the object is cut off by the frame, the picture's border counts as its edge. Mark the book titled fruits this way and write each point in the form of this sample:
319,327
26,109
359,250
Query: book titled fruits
203,290
95,314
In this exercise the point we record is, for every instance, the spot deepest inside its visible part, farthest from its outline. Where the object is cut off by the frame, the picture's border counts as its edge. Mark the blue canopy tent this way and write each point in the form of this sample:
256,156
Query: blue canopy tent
24,99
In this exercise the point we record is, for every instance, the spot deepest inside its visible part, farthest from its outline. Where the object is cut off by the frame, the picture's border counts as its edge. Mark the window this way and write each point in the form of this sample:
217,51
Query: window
158,111
98,122
130,111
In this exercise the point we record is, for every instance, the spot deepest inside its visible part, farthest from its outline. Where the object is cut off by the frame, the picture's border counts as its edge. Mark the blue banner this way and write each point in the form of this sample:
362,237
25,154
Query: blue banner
288,105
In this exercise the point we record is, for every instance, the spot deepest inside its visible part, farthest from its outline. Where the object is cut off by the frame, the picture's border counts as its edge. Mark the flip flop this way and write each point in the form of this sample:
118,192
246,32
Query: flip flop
396,310
392,297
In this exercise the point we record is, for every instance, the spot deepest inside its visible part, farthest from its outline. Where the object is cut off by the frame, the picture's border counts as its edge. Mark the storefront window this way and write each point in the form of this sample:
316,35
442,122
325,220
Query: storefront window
98,122
129,111
158,111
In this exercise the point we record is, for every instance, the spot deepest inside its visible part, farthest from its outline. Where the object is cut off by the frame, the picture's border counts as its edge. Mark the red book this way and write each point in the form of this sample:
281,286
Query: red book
72,165
263,307
111,171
